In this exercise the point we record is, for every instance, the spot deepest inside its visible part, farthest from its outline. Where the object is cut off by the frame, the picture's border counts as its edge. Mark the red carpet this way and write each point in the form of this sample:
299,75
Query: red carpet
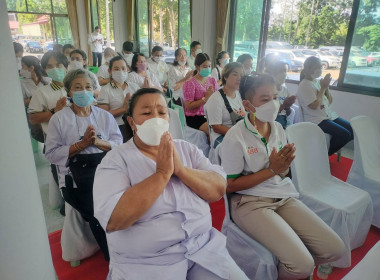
95,268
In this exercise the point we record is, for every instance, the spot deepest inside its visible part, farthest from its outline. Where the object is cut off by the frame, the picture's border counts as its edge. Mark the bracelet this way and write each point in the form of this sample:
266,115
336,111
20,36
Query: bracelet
77,147
272,171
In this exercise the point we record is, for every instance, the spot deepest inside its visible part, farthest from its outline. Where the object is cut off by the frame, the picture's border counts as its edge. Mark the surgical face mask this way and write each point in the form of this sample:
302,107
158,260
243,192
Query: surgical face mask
316,74
19,66
157,58
205,72
280,78
268,111
74,65
182,63
119,76
56,74
151,130
198,51
141,67
83,98
25,73
224,62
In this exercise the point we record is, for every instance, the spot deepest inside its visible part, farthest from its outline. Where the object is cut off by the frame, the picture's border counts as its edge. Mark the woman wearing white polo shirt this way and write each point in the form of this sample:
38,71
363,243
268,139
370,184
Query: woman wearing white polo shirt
264,203
115,95
221,60
315,98
218,116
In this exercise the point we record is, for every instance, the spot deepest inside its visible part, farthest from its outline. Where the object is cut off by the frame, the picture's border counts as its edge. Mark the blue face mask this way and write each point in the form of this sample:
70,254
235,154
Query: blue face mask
83,98
56,74
205,72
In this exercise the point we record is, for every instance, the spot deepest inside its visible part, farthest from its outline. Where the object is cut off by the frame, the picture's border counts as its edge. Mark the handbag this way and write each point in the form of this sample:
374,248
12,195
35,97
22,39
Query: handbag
235,117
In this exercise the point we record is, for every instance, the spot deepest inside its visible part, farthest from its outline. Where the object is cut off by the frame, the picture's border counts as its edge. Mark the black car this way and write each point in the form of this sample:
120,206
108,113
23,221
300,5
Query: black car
33,47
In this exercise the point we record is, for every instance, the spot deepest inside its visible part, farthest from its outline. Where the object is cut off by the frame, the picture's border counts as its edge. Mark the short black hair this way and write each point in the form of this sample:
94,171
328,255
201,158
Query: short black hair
128,46
244,57
57,55
78,51
194,44
249,84
96,27
219,56
67,46
135,97
134,61
29,61
113,60
17,47
157,49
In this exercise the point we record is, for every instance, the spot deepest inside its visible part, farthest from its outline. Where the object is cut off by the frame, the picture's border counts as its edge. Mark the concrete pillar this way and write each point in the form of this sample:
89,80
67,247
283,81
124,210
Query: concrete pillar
24,246
120,23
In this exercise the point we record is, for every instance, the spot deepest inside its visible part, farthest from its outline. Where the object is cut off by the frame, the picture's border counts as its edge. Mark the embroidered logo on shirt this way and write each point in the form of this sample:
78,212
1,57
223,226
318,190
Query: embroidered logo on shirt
252,150
322,106
240,112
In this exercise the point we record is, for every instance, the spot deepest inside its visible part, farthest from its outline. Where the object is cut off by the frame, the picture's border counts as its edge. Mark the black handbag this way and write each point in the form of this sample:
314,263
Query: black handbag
235,117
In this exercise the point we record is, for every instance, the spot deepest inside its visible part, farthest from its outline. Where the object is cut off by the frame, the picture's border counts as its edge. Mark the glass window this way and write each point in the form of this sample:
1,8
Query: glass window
363,67
94,14
59,6
310,25
247,28
184,32
16,5
39,6
63,30
103,22
143,27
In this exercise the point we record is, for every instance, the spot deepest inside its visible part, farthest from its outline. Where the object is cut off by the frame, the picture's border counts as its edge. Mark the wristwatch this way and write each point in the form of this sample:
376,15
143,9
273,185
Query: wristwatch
52,111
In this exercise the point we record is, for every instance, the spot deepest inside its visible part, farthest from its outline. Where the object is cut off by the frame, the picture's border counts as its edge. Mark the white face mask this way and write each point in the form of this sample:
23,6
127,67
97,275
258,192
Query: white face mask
119,76
151,130
182,63
198,51
268,111
156,58
316,74
26,74
224,62
74,65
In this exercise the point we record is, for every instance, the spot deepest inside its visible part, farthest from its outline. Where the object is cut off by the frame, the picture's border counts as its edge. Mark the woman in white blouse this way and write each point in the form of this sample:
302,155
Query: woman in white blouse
115,95
80,129
221,60
141,75
151,197
178,74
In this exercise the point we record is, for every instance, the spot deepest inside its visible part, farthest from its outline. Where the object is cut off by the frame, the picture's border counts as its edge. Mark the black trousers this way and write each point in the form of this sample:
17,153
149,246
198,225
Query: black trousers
96,59
82,201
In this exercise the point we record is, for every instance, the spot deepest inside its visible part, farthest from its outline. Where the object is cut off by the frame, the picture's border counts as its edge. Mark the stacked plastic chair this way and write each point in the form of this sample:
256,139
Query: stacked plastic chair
365,170
346,209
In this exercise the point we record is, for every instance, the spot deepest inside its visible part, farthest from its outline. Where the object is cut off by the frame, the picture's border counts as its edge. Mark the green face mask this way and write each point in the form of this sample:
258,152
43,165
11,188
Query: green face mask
56,74
205,72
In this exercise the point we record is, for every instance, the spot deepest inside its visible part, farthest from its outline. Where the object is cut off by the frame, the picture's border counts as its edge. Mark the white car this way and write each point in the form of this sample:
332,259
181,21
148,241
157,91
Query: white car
328,59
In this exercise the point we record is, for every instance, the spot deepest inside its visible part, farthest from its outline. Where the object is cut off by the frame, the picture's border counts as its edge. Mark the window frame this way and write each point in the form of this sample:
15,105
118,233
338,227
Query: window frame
341,86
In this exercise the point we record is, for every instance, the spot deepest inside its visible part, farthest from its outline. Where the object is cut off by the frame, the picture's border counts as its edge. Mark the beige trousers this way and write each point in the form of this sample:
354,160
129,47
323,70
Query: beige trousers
290,230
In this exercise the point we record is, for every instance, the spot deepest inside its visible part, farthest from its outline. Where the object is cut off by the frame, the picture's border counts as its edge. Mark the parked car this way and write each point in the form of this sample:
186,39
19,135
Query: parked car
168,56
278,45
374,58
356,60
33,47
328,59
292,62
48,46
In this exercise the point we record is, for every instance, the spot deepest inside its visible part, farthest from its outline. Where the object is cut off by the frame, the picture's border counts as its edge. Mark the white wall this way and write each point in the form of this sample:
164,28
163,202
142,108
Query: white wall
119,9
24,246
203,25
349,105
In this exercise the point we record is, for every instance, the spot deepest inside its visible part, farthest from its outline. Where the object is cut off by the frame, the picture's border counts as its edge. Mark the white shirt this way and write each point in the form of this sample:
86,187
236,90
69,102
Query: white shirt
175,74
66,128
103,72
176,228
135,78
217,113
160,69
282,94
243,152
97,86
307,94
45,99
96,46
214,73
128,58
28,87
113,96
190,62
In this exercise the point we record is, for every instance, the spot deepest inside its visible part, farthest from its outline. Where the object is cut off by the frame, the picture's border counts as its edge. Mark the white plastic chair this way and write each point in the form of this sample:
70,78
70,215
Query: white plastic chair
346,209
365,170
256,261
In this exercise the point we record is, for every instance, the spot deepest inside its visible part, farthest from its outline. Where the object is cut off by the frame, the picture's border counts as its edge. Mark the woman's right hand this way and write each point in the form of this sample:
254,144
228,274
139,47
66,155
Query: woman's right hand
209,92
280,161
146,82
89,136
126,101
165,159
325,82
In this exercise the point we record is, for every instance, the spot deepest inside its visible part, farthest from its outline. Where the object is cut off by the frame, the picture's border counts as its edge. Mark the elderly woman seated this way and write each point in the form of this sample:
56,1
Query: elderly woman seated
76,134
151,196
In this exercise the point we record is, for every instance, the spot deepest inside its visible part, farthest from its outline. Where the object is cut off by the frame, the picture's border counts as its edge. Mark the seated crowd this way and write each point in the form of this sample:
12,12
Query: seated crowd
147,202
